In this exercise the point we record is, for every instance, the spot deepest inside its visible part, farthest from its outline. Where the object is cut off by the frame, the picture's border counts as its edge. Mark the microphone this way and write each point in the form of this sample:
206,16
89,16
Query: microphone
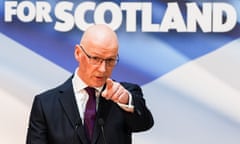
101,124
77,124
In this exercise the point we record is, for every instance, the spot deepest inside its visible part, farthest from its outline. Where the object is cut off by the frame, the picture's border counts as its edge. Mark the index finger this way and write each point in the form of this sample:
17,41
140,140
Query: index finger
109,83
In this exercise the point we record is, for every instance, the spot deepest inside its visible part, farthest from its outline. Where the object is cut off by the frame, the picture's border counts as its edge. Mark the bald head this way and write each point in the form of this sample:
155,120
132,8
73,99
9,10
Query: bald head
97,55
100,35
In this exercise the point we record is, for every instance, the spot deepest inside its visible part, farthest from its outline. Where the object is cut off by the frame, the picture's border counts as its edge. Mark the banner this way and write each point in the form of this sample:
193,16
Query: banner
184,54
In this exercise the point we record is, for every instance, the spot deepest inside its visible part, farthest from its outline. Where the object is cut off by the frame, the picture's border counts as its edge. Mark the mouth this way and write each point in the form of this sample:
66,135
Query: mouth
99,81
100,78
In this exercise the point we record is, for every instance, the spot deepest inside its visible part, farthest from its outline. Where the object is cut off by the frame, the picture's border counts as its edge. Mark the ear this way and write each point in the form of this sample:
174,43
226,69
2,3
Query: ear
77,52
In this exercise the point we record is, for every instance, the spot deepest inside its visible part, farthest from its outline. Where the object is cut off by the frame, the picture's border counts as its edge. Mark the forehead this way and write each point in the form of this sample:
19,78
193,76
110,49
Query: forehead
102,49
100,40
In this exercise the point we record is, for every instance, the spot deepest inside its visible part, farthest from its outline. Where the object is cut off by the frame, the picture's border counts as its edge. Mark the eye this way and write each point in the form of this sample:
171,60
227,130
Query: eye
96,58
110,60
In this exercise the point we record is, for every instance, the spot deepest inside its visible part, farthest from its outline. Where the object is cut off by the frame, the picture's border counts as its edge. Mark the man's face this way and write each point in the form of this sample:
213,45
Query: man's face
95,74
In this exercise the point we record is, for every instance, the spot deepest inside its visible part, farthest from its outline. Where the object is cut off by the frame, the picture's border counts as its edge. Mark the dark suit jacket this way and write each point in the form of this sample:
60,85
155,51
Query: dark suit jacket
55,119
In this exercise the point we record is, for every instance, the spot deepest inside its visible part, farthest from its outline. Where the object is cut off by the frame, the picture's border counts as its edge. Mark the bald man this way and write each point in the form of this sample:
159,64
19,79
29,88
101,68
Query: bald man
71,114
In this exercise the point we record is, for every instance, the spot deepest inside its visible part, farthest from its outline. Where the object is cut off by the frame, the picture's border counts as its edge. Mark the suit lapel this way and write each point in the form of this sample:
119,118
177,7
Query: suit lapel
67,99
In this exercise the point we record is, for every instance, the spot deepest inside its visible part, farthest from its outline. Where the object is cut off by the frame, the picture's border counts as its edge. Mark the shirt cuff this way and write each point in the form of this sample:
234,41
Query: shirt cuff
128,107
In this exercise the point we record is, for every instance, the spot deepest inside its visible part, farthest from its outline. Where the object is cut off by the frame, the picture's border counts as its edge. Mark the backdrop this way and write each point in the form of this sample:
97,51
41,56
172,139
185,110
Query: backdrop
190,80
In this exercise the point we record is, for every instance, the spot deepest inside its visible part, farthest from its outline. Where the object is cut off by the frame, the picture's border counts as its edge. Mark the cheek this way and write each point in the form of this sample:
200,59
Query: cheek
109,72
89,70
83,62
84,67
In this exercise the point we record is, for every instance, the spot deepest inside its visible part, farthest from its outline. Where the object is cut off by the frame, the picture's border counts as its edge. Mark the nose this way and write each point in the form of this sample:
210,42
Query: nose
102,66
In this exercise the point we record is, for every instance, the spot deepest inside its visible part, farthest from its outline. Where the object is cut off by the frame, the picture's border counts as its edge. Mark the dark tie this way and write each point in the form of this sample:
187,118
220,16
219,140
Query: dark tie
90,112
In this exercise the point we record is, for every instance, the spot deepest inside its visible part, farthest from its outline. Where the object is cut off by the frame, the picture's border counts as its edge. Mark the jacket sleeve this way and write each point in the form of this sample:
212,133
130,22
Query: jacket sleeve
141,119
37,129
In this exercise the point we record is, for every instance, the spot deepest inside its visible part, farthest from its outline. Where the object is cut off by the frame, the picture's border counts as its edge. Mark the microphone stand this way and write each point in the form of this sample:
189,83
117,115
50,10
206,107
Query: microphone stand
101,124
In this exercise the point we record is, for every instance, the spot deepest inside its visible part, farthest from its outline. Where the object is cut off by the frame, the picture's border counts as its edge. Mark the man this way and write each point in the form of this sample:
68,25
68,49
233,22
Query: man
65,115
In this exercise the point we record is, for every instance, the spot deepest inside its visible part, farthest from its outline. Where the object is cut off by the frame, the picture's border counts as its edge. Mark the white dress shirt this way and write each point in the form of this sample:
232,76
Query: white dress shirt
81,94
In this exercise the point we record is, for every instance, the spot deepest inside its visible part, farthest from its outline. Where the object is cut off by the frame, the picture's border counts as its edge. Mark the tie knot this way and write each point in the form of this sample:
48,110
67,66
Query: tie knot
90,91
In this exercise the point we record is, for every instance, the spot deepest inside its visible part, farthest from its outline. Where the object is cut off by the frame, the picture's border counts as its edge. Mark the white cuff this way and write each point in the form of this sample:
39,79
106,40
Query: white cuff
127,107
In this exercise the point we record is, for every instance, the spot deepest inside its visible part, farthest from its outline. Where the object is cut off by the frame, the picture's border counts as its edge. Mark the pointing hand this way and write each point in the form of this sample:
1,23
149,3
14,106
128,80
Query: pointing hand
116,92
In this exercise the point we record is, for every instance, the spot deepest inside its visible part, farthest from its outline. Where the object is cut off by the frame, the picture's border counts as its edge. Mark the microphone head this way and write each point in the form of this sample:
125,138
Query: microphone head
77,124
100,121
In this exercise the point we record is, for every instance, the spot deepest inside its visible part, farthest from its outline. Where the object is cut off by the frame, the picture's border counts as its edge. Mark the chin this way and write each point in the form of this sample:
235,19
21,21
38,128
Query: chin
99,83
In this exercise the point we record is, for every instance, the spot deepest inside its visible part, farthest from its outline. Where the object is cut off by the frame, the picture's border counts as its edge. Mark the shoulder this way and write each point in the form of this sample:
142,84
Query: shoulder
50,93
129,85
132,88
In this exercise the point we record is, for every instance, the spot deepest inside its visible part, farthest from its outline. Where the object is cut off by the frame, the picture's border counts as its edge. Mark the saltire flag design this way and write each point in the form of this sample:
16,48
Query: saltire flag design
191,80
